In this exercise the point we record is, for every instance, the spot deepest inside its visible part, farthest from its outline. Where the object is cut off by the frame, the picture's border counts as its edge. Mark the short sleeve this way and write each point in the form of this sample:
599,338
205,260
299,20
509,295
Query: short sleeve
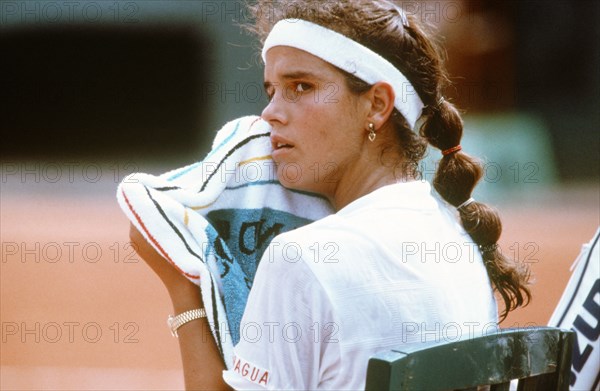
286,339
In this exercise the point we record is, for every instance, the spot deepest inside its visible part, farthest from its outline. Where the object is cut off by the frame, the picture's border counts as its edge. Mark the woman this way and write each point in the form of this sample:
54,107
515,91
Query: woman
347,84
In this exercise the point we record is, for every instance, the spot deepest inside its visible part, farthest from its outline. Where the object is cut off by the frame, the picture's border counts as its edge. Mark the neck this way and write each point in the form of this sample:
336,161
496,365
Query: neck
368,176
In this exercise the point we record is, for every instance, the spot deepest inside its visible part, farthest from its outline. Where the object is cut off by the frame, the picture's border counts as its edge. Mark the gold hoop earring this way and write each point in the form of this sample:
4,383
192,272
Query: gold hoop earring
372,133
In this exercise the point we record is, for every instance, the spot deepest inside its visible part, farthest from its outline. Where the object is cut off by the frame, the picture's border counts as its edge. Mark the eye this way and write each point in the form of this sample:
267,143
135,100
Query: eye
302,87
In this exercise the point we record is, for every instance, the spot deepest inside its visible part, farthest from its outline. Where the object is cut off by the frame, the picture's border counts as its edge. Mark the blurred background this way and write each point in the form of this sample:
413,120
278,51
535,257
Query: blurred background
94,90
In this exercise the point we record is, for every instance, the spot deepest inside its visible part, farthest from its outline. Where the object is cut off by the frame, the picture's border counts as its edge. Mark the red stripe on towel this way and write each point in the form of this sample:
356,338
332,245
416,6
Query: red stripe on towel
158,246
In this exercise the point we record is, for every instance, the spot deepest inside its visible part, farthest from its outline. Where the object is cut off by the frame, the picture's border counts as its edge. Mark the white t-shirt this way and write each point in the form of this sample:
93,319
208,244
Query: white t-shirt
391,268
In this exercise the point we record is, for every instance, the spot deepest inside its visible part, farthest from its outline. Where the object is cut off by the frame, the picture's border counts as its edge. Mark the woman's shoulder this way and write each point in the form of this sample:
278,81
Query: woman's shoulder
330,241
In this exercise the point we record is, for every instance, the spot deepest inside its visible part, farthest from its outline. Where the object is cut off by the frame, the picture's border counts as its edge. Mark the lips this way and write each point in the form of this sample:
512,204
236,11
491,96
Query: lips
279,143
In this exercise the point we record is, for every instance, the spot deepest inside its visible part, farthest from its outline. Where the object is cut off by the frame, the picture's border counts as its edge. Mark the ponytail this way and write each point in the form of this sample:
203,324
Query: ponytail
455,178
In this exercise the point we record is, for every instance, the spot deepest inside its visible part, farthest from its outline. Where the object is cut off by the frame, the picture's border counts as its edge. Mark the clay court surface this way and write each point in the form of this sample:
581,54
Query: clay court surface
79,311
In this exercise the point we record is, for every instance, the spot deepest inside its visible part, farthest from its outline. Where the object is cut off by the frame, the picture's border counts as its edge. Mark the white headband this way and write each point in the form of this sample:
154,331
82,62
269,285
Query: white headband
349,56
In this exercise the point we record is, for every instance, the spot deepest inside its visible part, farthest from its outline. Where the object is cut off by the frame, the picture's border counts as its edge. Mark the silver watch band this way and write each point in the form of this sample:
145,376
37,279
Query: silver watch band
176,322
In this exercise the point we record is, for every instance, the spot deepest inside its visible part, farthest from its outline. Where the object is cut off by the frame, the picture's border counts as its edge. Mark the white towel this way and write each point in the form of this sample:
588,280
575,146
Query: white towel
212,220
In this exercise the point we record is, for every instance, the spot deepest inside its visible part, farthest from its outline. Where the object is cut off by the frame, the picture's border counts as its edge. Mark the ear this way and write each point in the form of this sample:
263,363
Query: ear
381,96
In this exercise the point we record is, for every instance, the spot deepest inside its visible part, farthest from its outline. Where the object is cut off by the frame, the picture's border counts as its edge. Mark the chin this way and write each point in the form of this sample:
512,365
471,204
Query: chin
290,177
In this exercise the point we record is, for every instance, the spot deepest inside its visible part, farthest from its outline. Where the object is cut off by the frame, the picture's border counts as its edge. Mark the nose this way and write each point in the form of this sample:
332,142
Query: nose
274,112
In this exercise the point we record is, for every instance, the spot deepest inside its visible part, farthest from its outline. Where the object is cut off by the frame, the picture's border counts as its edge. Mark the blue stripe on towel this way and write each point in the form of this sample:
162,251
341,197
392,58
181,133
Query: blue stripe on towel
237,126
230,153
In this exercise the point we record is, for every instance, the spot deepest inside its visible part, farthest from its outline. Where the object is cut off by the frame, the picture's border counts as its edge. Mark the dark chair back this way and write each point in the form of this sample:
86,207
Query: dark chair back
539,357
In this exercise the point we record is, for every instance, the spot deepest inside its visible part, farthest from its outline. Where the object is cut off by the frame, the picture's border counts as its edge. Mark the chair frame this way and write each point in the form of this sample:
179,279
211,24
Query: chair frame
540,357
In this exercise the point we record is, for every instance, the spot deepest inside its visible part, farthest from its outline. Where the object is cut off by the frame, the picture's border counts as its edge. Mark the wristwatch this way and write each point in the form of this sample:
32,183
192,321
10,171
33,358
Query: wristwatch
176,322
